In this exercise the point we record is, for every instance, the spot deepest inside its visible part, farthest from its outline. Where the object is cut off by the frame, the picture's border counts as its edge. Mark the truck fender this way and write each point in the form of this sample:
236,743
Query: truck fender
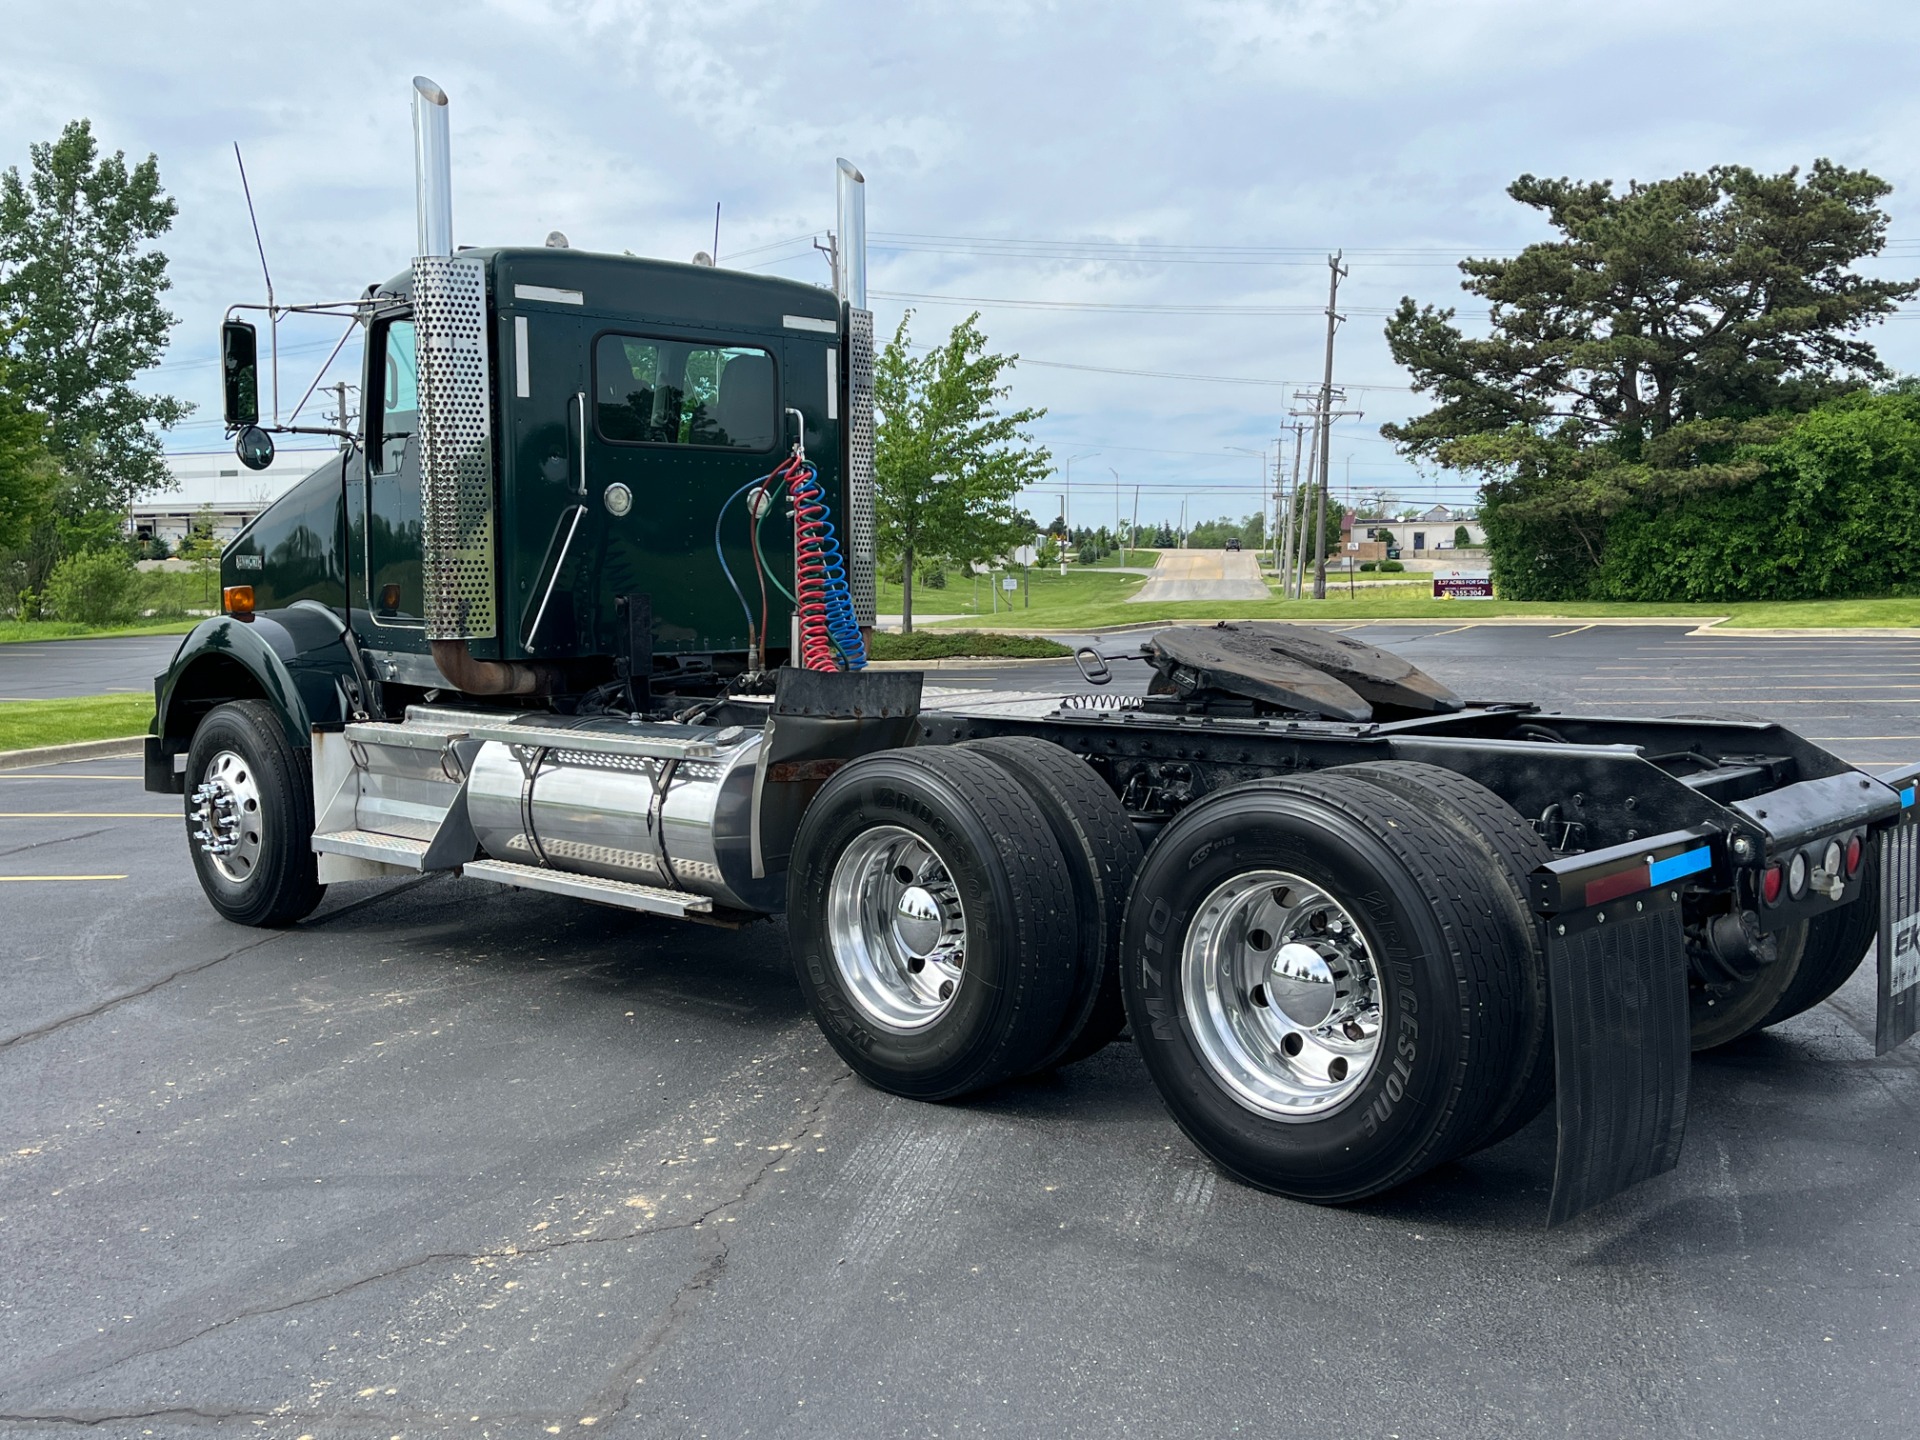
294,659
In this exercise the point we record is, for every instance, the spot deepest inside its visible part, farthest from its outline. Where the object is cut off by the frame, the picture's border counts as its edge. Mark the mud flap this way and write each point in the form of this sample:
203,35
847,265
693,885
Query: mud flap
1898,1012
1617,985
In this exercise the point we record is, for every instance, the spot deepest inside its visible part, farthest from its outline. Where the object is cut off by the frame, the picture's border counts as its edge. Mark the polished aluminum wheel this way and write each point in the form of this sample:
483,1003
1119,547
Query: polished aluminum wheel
896,928
1282,995
225,811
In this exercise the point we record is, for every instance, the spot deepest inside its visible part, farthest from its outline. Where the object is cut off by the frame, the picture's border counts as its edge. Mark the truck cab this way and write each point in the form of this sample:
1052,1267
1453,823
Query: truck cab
599,419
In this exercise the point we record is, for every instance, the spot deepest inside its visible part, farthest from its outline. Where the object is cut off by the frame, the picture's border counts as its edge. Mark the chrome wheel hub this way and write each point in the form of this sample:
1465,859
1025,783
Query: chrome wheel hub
896,928
1282,995
225,813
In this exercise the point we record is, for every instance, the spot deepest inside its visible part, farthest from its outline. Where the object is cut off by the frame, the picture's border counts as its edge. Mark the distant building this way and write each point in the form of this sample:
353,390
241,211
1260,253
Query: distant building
217,486
1433,530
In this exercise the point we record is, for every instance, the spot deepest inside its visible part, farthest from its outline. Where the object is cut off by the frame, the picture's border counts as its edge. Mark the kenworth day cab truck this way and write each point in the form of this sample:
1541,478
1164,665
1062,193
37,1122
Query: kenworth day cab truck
580,607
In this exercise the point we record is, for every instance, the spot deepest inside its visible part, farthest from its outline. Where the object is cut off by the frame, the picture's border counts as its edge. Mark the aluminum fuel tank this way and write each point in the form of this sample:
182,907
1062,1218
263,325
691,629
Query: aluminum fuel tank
681,824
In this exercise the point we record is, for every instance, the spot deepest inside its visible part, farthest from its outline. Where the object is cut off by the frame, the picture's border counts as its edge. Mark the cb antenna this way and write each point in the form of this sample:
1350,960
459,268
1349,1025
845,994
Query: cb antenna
273,316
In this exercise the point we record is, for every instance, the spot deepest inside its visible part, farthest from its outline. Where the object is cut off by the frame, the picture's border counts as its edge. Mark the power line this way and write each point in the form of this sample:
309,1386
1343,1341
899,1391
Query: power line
993,302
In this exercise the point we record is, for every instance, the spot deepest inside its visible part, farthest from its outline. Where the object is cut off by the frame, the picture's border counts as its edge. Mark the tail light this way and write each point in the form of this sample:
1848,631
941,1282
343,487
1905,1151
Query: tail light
237,599
1770,884
1855,853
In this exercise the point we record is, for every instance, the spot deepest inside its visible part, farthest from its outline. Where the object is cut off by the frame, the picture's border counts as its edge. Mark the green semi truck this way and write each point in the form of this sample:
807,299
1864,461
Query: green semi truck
580,607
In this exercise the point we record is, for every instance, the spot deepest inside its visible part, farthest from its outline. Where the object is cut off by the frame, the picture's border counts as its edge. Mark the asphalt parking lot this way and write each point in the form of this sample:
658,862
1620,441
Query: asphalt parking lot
452,1160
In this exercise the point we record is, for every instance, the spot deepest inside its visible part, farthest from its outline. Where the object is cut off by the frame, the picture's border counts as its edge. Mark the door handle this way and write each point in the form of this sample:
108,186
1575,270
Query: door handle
581,397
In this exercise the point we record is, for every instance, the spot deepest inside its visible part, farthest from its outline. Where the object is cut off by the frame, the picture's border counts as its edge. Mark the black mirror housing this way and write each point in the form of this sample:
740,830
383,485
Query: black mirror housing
240,374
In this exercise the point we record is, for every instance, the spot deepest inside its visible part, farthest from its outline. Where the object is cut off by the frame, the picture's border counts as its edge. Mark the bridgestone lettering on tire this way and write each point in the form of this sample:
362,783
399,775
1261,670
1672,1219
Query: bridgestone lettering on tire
257,789
984,883
1102,853
1449,987
1515,850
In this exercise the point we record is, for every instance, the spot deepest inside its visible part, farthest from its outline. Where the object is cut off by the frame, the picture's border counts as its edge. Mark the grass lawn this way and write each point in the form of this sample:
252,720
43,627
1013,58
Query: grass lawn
1042,602
14,631
957,644
28,723
1088,599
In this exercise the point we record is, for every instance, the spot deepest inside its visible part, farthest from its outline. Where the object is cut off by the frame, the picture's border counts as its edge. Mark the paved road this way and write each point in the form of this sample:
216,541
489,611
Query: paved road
1858,696
446,1160
44,669
1204,575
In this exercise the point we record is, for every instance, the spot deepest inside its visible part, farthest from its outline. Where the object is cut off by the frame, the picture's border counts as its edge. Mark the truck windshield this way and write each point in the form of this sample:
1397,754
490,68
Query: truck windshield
676,392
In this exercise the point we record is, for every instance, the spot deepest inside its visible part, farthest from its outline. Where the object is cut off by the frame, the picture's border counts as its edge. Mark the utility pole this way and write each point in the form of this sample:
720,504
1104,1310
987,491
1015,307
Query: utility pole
339,388
1279,513
1336,272
1294,528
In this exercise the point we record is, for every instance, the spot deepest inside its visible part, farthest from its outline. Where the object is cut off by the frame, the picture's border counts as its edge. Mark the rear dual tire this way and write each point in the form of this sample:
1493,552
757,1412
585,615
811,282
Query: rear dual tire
932,920
1324,982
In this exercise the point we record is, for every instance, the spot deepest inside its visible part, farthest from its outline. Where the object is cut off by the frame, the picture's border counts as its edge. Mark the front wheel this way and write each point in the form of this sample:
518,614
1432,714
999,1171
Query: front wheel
1318,979
250,817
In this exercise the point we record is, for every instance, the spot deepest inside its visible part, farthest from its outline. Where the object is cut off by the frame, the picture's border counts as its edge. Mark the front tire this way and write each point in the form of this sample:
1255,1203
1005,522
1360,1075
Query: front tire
1318,981
933,922
250,817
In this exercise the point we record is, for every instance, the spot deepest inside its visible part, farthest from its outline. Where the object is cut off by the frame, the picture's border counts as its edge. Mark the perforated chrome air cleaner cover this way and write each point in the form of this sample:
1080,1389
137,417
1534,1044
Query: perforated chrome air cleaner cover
860,538
456,447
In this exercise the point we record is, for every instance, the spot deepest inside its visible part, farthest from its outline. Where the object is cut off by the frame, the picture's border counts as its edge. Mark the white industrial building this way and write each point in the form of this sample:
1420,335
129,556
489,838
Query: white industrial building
215,486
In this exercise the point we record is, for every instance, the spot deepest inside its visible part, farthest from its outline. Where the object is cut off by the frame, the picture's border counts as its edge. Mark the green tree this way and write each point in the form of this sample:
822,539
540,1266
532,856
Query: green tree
94,587
1669,326
27,472
80,286
947,461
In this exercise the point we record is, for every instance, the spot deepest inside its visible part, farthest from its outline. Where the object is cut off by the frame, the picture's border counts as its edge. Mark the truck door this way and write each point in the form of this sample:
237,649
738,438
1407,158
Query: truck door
678,424
394,594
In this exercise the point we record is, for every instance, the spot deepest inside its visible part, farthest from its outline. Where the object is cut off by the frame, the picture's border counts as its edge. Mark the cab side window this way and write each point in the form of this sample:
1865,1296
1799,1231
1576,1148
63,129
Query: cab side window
399,412
676,392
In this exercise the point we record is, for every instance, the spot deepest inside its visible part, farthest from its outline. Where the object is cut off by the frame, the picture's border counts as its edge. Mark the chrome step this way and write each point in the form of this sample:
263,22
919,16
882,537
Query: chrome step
624,893
370,845
407,737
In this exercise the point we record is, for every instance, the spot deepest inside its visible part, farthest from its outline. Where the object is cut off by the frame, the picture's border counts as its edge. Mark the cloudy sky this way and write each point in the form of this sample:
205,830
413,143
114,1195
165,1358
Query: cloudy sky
1138,197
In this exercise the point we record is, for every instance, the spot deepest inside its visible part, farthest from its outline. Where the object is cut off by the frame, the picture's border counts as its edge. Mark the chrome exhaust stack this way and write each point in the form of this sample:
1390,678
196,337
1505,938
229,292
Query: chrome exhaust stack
432,169
850,284
456,423
850,251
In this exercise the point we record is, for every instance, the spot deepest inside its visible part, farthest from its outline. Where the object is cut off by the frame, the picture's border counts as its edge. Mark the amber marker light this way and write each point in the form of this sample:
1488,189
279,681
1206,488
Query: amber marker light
237,600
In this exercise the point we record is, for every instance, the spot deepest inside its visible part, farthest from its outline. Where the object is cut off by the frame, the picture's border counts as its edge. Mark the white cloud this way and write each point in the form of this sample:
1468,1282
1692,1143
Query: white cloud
1311,124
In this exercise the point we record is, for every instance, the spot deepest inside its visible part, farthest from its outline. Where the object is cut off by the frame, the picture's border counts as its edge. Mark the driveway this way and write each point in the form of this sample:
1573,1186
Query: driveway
1205,575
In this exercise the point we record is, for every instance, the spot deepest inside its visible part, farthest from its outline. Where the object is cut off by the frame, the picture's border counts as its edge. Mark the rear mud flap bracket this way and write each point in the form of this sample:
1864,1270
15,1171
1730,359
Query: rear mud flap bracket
1617,986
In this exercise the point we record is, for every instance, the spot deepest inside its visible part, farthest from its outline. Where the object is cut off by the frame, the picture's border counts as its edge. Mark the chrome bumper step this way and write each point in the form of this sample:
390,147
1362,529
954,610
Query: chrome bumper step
628,896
